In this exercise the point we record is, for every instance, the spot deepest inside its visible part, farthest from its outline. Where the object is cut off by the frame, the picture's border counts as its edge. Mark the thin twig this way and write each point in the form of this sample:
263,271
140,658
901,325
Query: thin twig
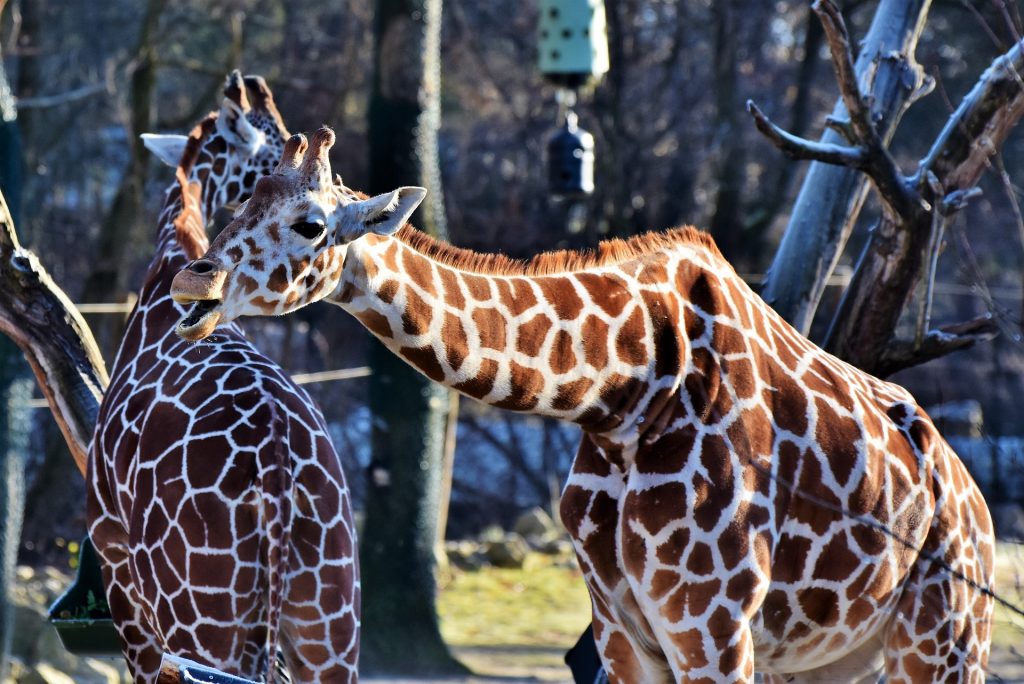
846,75
924,316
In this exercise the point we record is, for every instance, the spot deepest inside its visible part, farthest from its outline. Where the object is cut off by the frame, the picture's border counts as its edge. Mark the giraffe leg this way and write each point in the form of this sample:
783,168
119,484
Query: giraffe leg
138,639
941,629
322,647
320,616
589,511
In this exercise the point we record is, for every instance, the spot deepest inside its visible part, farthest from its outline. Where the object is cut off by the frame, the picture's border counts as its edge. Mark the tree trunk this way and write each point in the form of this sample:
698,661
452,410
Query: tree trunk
15,392
891,264
727,220
775,194
831,197
122,222
400,626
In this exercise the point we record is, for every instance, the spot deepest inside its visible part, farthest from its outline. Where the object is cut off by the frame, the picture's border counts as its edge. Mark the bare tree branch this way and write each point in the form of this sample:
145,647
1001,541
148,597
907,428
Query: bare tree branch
796,147
846,75
902,354
57,342
831,197
43,101
891,263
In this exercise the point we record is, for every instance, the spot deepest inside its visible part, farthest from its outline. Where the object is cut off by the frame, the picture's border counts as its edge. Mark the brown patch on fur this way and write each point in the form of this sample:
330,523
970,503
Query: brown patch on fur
253,246
562,296
838,437
629,343
425,360
419,271
606,290
278,280
298,266
417,315
456,343
595,333
700,561
188,225
571,394
663,582
387,291
531,335
526,383
836,562
248,285
479,288
452,293
376,323
562,358
491,326
551,263
820,605
483,383
693,598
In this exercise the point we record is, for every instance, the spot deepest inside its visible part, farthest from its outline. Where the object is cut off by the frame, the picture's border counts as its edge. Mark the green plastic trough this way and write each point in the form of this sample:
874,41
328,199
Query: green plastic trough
81,615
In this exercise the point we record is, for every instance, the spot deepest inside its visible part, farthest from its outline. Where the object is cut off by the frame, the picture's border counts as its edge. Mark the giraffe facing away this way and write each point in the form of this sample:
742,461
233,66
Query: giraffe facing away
216,500
741,500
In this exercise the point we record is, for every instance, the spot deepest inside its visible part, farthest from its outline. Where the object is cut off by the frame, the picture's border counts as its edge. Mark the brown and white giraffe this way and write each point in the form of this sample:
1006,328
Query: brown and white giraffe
217,501
741,499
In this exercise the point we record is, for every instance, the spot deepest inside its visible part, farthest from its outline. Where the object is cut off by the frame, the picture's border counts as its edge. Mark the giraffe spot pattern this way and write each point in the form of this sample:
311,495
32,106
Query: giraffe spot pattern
185,507
720,448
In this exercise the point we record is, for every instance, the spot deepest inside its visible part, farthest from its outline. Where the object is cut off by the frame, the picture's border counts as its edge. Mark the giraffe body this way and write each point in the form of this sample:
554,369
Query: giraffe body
217,501
740,500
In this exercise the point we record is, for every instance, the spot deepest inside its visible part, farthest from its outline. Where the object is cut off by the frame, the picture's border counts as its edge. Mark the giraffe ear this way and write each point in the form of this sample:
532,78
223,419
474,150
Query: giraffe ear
383,214
167,148
236,129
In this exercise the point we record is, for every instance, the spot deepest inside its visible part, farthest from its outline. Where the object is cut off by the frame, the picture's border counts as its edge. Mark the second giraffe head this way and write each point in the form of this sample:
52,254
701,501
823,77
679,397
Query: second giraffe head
286,246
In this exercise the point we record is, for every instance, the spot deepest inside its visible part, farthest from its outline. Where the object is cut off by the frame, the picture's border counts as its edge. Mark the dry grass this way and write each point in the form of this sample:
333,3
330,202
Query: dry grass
515,623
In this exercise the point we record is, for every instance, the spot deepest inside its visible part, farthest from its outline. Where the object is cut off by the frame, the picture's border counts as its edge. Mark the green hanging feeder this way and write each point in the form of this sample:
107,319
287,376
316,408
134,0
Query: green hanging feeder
81,615
573,42
572,52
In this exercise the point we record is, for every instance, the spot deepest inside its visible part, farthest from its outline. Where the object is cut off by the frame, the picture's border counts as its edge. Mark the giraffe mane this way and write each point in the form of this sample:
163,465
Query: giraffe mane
188,224
607,252
196,137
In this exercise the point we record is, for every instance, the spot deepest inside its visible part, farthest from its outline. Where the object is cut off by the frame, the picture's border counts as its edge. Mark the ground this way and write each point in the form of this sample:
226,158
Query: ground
515,625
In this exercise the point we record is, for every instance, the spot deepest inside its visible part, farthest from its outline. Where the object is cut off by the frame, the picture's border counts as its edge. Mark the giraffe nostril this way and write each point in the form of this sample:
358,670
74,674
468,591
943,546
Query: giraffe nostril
202,267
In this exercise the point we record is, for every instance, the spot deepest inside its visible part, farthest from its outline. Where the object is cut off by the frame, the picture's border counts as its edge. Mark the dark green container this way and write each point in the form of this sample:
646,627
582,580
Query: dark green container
81,615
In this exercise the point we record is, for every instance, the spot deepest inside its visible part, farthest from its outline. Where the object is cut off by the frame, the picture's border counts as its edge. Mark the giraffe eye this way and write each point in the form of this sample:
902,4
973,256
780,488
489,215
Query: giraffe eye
309,229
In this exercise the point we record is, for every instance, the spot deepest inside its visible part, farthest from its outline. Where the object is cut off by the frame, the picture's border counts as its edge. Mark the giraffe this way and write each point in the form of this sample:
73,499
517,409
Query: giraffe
740,500
216,500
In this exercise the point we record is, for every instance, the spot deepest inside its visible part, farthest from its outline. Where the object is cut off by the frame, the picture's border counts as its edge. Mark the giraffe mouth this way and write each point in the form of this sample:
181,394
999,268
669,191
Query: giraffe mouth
200,321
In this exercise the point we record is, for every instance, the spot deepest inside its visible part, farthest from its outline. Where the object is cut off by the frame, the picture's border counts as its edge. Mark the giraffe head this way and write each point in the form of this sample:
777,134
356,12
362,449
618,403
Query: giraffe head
231,149
286,246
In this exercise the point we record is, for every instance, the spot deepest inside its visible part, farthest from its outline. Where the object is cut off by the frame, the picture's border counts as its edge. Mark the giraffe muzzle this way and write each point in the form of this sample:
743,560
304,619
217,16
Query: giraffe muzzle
201,284
200,321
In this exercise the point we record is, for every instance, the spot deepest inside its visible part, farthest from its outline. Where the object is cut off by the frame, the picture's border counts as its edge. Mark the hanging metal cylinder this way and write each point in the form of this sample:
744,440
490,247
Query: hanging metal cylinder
572,41
571,161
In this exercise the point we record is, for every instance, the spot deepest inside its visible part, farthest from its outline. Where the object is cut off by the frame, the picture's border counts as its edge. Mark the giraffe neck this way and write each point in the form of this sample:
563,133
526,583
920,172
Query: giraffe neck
597,346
